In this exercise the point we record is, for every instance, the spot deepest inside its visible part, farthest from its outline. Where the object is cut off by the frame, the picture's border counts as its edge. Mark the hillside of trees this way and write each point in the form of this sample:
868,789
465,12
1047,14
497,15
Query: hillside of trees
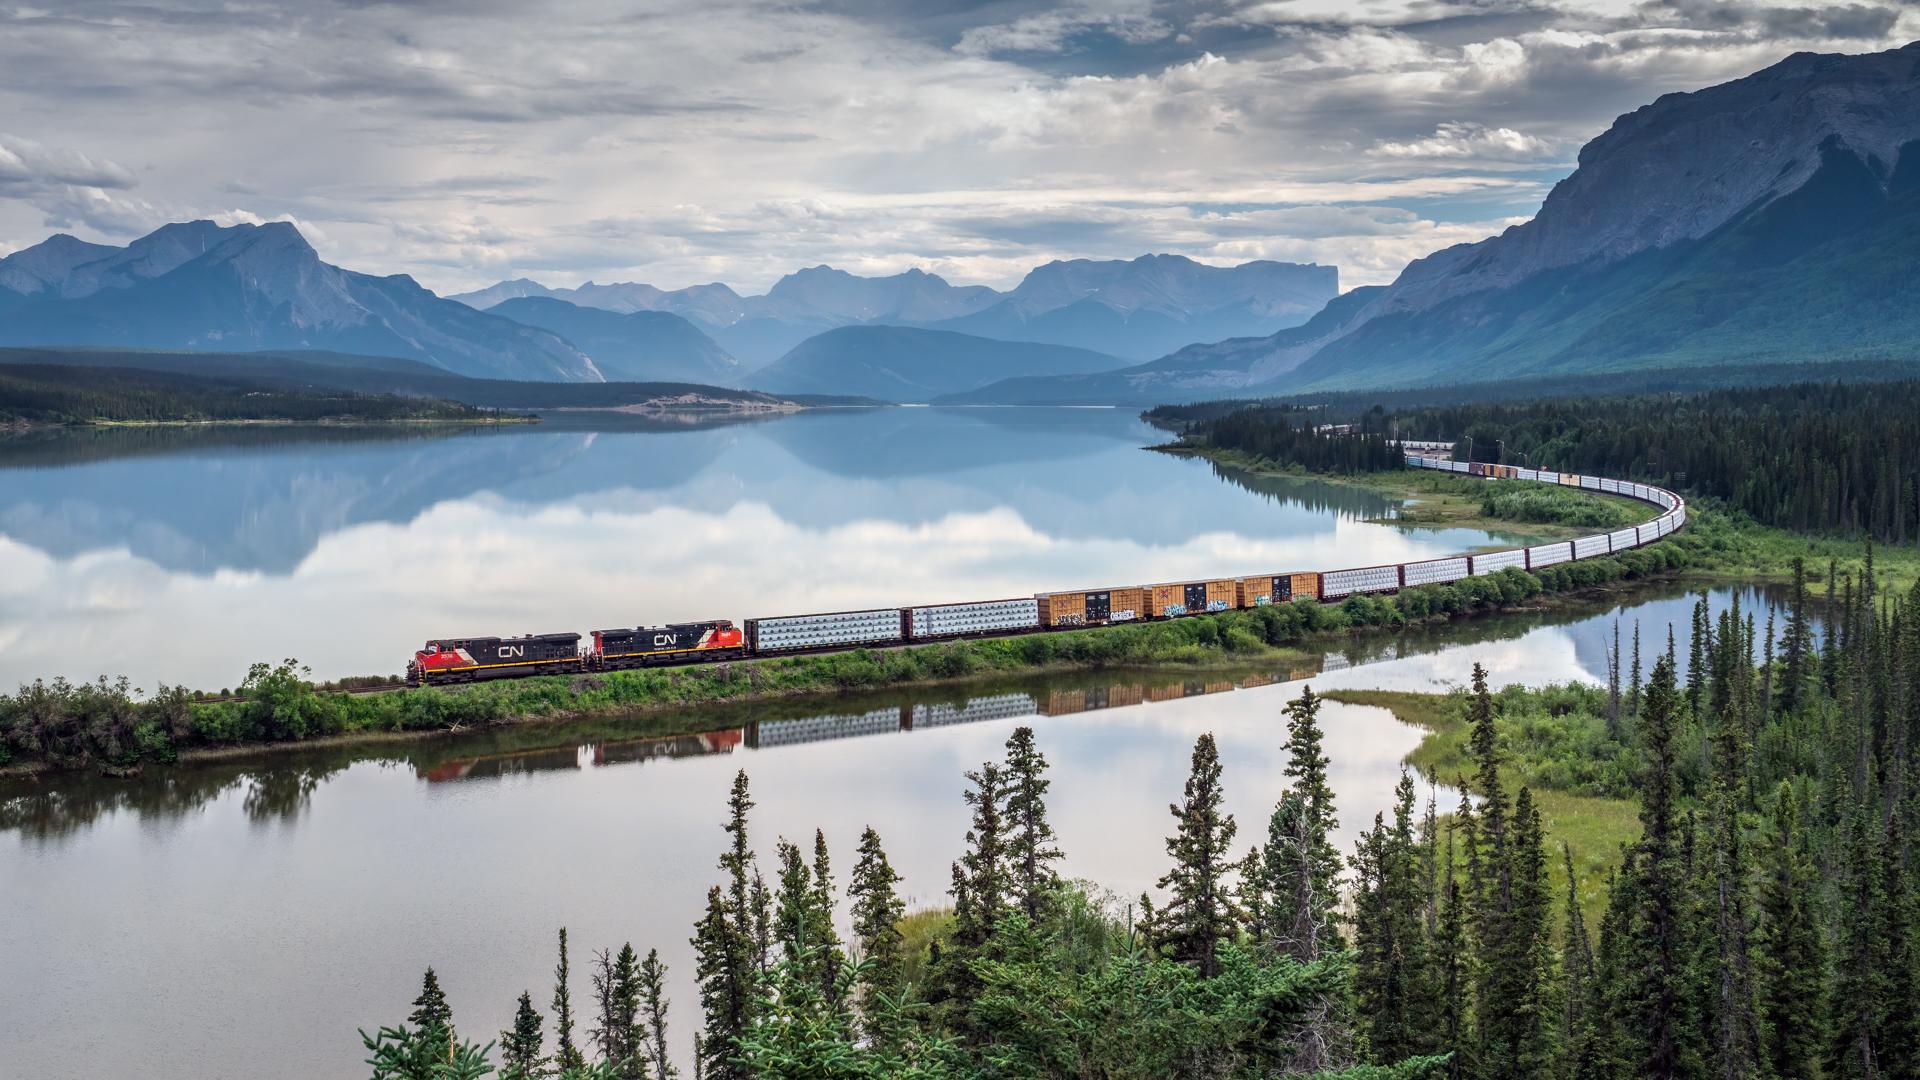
32,394
1762,923
1824,457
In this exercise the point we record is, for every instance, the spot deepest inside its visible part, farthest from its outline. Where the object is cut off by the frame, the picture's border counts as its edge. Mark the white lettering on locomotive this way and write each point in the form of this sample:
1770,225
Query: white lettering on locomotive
512,650
664,640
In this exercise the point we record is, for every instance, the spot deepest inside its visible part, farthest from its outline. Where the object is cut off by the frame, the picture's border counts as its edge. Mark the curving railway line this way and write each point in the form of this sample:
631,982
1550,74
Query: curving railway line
472,659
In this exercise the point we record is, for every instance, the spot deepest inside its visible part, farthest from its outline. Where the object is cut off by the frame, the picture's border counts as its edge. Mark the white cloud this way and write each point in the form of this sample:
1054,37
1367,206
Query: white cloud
683,141
1460,142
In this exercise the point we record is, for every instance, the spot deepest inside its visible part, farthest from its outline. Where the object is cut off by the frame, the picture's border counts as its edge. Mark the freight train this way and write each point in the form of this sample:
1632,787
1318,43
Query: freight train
470,659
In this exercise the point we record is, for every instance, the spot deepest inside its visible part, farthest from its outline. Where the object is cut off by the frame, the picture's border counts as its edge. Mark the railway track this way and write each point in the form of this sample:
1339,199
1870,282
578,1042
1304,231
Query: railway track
464,660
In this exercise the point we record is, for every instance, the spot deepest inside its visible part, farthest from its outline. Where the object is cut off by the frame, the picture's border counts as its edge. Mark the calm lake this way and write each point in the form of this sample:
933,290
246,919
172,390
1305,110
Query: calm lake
185,555
243,919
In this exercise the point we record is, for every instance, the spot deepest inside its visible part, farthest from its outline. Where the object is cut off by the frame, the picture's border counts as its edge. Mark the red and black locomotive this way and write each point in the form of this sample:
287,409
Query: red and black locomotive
451,660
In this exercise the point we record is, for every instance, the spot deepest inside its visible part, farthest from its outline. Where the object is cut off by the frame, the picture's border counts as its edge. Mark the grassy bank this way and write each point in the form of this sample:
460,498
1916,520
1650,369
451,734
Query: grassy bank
102,724
1437,500
1554,740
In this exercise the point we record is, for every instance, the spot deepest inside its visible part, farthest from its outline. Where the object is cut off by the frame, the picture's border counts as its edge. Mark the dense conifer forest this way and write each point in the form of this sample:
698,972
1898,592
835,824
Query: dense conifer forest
1762,924
57,394
1839,457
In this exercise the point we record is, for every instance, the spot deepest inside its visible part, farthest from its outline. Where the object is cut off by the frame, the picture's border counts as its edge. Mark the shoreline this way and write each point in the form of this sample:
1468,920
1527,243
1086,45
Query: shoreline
562,700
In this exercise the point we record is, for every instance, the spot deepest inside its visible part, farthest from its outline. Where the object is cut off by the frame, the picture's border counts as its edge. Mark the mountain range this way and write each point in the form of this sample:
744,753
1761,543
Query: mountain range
1773,219
1136,309
201,286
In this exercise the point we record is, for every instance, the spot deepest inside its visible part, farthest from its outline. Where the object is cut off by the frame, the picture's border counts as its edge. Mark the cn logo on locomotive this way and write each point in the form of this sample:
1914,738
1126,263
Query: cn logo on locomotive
512,650
663,640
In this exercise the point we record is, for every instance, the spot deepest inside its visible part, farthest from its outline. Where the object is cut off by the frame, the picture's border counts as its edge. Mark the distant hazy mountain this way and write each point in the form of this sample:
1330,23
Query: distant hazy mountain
640,346
1136,309
915,296
1154,304
1774,219
197,285
909,364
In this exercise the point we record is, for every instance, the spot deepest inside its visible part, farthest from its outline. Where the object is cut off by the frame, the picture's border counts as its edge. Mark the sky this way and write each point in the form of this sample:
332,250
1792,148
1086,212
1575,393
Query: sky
677,142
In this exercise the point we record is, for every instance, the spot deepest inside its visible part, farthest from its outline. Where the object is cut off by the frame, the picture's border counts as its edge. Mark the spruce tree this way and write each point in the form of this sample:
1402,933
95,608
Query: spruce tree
1031,846
1860,991
1200,913
653,1016
1576,973
1394,996
877,911
566,1055
1658,1007
727,975
616,984
432,1016
1307,768
520,1045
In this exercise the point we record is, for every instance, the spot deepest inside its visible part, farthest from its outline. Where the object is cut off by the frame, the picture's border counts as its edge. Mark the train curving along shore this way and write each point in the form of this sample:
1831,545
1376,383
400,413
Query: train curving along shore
471,659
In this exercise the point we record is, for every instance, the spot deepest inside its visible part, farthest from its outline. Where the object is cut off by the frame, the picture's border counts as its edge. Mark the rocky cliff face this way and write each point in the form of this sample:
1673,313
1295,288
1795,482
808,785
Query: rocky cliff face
1687,164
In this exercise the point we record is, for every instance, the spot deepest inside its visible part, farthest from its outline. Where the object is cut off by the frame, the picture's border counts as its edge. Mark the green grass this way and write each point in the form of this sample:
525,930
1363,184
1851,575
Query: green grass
1594,826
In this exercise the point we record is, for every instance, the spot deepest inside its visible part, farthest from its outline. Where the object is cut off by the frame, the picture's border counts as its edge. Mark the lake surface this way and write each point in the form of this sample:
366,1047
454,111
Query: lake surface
185,555
243,919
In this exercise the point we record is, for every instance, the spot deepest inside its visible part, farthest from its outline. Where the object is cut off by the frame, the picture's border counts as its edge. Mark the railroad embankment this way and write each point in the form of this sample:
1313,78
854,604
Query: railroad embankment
51,726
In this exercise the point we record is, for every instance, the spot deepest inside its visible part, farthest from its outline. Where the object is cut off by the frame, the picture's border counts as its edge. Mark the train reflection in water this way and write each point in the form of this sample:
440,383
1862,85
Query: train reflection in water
826,727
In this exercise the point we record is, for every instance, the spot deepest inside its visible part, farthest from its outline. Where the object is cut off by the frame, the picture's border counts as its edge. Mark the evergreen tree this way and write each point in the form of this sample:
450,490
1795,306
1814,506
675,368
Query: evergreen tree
981,889
1031,846
1200,913
653,1016
565,1054
1577,975
1658,1012
520,1057
616,984
1861,985
988,883
877,911
727,975
1394,998
431,1015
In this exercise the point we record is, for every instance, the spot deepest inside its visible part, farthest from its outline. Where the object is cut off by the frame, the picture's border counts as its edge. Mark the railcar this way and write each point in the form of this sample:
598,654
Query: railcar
470,659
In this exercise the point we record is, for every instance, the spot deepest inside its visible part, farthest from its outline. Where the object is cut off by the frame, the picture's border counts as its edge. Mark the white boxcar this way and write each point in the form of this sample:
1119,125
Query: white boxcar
1622,539
1546,477
1591,483
1642,491
1493,562
1610,485
1525,474
1650,531
1586,547
984,617
1680,515
997,707
879,626
1426,573
1548,554
1337,583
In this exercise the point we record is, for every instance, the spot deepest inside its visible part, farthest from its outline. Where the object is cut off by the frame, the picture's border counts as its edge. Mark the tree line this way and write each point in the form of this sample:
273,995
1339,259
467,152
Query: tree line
1819,456
1761,925
67,394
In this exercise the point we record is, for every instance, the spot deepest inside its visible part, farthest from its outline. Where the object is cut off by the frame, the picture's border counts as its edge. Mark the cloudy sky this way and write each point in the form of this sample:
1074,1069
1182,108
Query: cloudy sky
683,141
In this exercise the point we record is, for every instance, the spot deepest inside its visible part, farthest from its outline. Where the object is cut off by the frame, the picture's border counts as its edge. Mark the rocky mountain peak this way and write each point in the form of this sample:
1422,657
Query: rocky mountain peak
1687,164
